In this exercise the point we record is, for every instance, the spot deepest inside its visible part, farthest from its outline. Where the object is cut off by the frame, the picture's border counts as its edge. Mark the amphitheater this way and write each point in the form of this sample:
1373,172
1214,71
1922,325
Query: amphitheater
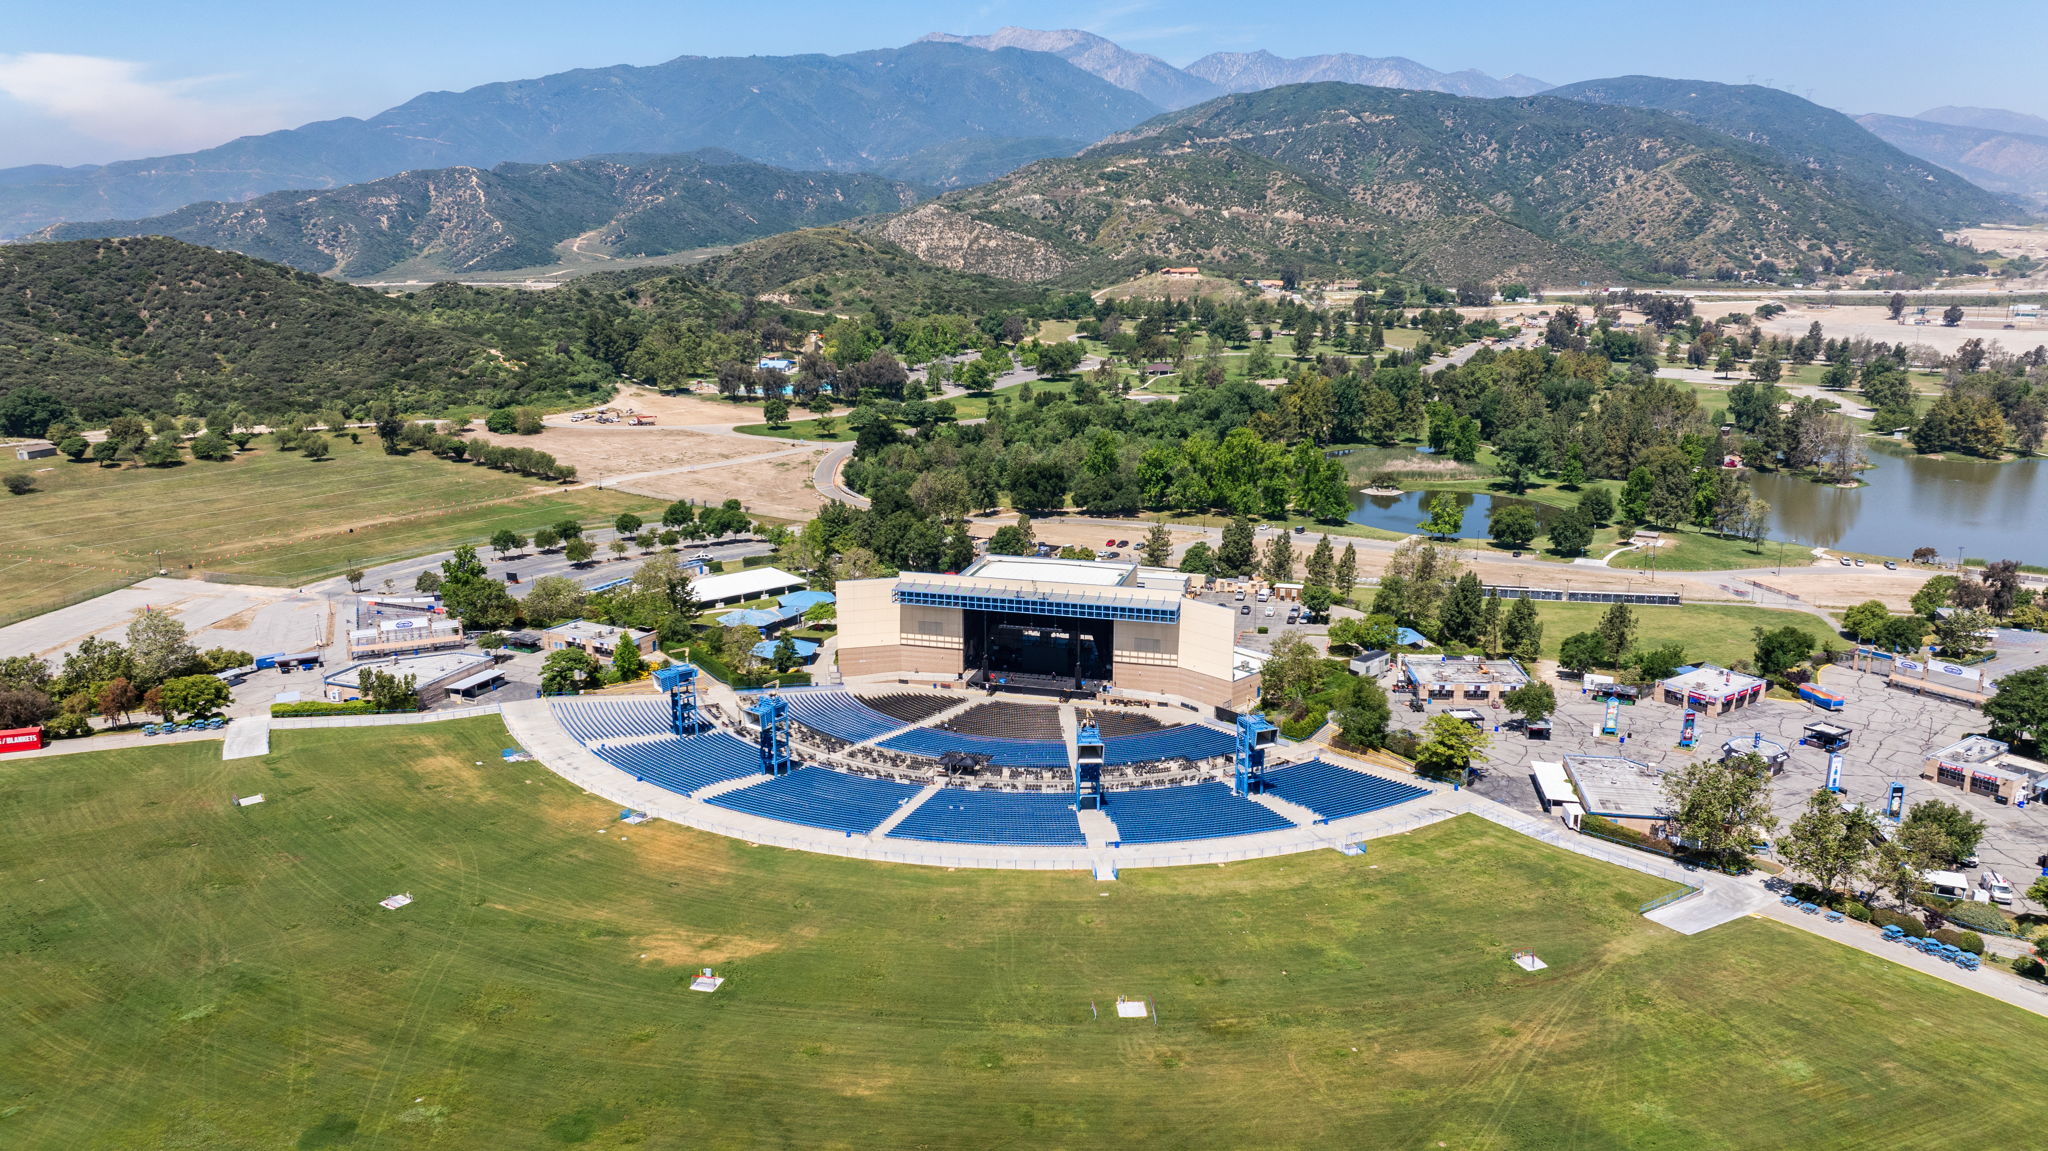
952,778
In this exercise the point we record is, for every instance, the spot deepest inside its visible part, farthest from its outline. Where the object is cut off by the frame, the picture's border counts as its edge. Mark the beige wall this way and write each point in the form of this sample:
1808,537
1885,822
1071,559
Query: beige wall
1208,633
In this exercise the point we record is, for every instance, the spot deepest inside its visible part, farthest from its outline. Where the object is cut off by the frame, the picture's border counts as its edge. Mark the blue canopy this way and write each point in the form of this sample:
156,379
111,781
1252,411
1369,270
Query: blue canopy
1409,637
760,617
803,601
805,649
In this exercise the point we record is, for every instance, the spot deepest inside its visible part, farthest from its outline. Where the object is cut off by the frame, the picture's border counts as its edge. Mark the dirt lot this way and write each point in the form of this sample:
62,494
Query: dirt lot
610,450
778,487
675,411
1874,323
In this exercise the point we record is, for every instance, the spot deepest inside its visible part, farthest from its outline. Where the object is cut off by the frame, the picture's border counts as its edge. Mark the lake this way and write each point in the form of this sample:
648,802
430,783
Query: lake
1989,511
1400,513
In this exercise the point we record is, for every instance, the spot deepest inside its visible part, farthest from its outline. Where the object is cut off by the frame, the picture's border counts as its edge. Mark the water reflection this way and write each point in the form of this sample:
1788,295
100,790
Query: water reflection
1400,513
1991,511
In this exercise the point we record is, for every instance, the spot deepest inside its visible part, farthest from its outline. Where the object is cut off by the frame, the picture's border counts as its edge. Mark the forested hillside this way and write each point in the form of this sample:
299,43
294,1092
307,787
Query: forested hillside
832,269
514,215
1357,179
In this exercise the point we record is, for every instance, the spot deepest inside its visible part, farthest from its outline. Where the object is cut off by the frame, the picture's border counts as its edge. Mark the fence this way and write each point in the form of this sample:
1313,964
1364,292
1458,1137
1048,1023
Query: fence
1668,898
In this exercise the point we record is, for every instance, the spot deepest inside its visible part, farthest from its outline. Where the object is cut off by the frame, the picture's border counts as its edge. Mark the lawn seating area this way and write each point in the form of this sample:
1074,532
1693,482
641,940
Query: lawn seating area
1337,792
597,720
683,764
819,797
957,815
1188,741
1202,811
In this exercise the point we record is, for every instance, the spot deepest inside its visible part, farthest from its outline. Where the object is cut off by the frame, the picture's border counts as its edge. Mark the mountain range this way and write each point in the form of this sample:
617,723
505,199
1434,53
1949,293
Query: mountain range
1991,153
1361,179
1251,71
930,113
456,220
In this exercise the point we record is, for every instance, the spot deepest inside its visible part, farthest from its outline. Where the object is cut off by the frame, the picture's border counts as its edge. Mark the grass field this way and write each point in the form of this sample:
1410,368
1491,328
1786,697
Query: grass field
967,407
177,973
1709,632
264,517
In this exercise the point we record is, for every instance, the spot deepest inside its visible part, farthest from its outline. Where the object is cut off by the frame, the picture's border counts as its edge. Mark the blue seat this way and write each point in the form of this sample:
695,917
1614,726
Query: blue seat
959,815
837,713
817,797
1197,811
1189,741
933,743
1833,917
593,720
1334,792
683,764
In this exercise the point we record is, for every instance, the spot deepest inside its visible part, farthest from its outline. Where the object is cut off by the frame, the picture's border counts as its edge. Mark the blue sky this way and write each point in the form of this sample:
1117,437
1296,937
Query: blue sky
94,80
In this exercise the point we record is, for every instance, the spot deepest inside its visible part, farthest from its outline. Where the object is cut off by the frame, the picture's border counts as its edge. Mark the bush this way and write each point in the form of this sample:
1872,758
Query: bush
321,707
1911,925
70,725
1967,940
1306,724
1856,911
1401,742
1983,916
2029,967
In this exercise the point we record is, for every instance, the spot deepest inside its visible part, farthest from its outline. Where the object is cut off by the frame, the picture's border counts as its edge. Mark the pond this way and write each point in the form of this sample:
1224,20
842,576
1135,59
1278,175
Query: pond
1401,513
1985,510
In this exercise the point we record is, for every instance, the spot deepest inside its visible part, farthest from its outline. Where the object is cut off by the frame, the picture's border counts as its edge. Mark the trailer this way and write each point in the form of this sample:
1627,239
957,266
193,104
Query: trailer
1688,733
1821,697
1611,725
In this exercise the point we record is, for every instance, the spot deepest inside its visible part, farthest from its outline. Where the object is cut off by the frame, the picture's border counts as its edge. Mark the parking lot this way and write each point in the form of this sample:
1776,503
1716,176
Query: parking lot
1253,615
1892,733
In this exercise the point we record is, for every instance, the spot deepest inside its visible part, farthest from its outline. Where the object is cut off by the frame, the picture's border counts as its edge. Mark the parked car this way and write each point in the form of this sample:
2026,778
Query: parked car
1859,563
1245,610
1123,543
1995,886
1109,543
1891,566
1110,554
1845,561
1269,611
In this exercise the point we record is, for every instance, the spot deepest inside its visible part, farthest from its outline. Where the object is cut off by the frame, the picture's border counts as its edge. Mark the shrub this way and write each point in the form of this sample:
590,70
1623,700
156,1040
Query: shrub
1967,940
1401,742
1983,916
70,725
1885,917
321,707
1306,724
1856,911
2029,967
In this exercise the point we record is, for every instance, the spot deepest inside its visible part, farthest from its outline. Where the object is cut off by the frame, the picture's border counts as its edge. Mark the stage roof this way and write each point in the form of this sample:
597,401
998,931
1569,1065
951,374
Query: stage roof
1037,569
1038,597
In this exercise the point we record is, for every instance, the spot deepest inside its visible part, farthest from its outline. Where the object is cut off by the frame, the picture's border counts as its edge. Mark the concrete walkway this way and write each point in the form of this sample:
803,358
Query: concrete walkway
247,739
1993,981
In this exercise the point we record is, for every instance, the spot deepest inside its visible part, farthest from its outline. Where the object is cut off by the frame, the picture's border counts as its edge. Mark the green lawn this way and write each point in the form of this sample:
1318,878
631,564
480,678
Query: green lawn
178,973
264,517
1710,633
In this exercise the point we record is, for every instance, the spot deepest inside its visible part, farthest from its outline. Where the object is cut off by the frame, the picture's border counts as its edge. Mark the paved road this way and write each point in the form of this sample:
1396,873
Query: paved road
826,478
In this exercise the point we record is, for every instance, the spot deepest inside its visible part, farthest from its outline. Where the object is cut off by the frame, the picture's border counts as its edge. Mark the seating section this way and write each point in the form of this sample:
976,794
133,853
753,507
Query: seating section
818,797
934,743
911,706
1202,811
1118,724
1188,741
1004,720
683,764
956,815
591,720
835,711
1335,792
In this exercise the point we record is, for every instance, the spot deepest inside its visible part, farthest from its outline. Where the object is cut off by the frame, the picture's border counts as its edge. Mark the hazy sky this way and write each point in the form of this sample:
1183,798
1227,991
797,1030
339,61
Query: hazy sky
95,80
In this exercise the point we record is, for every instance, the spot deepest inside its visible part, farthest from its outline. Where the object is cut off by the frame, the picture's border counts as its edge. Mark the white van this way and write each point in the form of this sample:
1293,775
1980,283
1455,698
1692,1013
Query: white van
1995,885
1265,594
1947,884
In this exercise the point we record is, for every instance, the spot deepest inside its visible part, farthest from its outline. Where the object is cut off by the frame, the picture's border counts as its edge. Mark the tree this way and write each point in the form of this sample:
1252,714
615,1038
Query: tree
118,698
1521,634
213,447
1570,533
158,648
566,671
1199,559
619,547
567,529
1901,633
1462,611
1937,593
505,541
1533,701
775,411
1952,315
1158,546
1778,652
784,657
1316,600
29,410
1584,651
1828,843
1013,539
1720,808
1445,517
354,576
1960,633
1954,833
19,483
579,550
627,524
546,538
627,664
1893,869
1655,664
1347,572
2018,707
1448,745
1237,554
1512,525
1598,505
1279,563
193,695
1322,564
553,599
1896,306
1361,712
1865,620
1617,628
1292,671
314,446
25,707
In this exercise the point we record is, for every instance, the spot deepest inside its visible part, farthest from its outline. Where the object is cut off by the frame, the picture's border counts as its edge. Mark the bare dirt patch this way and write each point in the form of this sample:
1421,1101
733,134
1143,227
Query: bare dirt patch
681,948
779,487
615,451
677,411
